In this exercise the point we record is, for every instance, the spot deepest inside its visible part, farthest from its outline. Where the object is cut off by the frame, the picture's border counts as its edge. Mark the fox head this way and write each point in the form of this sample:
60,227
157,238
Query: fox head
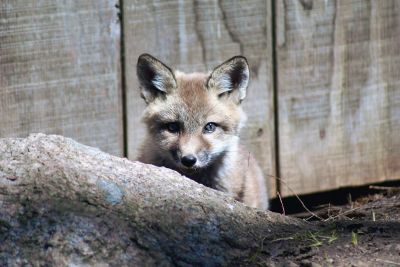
193,119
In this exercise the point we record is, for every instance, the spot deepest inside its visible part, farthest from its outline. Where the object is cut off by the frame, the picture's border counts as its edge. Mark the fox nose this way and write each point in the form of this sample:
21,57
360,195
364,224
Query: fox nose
188,160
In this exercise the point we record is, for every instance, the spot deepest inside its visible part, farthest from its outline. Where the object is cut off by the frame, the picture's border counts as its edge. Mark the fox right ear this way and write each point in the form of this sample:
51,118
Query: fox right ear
230,79
156,79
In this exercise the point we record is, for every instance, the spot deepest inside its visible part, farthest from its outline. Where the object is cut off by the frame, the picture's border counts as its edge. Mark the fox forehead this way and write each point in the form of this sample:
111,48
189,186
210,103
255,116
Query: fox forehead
192,91
193,105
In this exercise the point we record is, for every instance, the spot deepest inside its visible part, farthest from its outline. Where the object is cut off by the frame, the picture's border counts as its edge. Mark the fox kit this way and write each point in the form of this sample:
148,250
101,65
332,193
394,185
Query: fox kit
193,122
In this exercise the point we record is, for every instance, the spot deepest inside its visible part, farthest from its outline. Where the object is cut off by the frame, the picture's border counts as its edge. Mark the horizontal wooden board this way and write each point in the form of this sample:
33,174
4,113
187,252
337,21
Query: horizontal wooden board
197,36
339,93
60,71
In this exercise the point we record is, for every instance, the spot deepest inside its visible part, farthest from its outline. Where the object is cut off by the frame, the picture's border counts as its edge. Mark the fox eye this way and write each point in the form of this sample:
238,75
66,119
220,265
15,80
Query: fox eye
172,127
210,127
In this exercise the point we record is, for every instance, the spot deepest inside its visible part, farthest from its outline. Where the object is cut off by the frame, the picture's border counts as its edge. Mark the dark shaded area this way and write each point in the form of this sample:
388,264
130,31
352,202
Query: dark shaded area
58,233
337,197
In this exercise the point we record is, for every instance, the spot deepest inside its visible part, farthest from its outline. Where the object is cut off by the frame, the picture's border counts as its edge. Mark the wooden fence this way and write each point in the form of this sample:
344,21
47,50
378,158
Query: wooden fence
324,98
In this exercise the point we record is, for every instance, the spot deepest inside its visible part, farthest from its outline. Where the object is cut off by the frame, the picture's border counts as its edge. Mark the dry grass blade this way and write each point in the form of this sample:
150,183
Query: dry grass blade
298,198
388,262
280,199
343,213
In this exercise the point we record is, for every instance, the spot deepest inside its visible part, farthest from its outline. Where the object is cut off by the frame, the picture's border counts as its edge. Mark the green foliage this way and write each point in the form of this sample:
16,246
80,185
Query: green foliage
354,238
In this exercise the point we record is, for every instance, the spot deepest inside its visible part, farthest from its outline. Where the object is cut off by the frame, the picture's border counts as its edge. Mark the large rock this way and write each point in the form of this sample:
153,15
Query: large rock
63,203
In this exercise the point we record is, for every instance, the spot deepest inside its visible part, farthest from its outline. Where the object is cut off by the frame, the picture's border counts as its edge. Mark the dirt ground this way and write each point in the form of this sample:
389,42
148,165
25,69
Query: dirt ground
365,232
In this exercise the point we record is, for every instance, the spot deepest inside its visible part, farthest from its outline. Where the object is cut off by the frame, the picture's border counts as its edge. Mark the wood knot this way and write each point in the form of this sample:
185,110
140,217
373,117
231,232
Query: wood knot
307,4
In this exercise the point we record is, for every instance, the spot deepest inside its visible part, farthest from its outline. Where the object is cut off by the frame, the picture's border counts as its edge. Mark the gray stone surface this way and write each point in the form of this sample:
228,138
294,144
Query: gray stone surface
65,204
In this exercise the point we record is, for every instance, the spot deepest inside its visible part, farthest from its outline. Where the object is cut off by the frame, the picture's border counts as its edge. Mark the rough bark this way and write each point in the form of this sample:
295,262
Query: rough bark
63,203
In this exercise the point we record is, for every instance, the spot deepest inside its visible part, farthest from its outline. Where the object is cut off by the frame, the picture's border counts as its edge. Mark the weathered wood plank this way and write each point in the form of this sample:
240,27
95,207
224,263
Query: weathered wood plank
60,71
339,96
197,36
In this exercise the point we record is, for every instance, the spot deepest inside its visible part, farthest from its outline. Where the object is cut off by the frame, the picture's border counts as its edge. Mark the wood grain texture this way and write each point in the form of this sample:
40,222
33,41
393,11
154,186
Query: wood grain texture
60,71
197,36
339,96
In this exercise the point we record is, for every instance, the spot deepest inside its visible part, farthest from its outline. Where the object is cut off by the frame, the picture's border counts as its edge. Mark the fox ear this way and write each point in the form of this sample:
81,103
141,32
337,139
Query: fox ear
156,79
230,79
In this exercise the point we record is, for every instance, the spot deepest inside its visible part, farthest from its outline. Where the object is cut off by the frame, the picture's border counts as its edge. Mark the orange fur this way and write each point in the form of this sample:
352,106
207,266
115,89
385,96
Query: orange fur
179,106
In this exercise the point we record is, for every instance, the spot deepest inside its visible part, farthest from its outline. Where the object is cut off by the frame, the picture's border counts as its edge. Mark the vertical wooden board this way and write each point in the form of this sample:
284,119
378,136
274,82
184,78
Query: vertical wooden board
197,36
60,71
338,90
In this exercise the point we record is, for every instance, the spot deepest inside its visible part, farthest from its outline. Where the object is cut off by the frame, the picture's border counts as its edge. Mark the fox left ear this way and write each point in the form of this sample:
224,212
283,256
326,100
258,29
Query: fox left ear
156,79
231,78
